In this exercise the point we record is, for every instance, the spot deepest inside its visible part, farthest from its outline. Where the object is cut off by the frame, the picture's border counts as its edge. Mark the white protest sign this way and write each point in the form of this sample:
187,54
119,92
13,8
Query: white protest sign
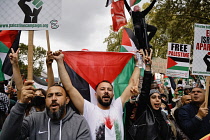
30,14
201,52
178,60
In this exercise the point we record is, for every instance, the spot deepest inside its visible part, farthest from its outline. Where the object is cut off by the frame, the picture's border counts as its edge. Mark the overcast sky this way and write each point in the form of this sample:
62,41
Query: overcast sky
85,25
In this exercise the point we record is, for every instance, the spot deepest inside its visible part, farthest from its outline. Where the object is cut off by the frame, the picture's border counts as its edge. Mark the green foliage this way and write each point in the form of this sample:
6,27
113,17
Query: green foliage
175,21
39,55
115,38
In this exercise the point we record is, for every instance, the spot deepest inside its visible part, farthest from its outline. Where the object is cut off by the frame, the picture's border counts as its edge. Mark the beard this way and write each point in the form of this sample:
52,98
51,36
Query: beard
56,115
104,103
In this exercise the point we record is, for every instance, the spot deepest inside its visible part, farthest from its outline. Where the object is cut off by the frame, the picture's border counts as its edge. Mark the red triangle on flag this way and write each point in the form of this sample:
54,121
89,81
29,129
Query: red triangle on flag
7,37
171,63
126,39
95,67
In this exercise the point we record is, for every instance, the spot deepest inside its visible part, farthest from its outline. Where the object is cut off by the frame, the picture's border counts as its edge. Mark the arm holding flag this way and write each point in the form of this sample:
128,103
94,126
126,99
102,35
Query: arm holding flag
16,71
132,87
50,75
75,96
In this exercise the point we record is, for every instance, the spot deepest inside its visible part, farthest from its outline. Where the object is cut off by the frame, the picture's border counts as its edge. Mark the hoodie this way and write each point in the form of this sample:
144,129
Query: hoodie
38,126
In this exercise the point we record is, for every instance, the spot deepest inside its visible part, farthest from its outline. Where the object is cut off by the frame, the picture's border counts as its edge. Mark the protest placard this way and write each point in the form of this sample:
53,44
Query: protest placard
178,60
159,65
30,14
201,52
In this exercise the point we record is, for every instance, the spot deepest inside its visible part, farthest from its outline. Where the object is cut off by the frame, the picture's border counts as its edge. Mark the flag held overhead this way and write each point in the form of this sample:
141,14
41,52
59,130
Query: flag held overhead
118,15
129,41
8,39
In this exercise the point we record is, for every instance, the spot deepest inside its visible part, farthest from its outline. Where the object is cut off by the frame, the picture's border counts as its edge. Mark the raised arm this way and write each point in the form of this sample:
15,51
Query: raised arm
16,71
146,11
144,94
131,89
75,96
50,74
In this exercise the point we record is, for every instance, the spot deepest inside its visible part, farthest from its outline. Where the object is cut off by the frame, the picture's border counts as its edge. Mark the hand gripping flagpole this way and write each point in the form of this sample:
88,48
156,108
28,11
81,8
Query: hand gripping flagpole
207,91
30,54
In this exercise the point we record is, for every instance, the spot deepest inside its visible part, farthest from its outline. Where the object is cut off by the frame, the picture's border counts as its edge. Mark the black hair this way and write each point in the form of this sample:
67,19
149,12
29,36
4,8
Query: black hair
42,90
102,82
59,85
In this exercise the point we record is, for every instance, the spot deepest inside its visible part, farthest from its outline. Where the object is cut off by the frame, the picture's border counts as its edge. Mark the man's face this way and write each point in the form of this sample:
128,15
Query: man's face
39,93
10,89
186,99
136,8
187,91
56,101
198,95
104,94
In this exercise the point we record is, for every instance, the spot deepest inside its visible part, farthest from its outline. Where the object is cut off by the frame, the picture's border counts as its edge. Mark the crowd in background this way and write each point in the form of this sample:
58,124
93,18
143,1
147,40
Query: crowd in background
159,112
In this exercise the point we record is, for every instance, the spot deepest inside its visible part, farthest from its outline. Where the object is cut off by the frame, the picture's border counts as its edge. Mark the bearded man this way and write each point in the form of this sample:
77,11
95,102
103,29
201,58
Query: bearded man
57,122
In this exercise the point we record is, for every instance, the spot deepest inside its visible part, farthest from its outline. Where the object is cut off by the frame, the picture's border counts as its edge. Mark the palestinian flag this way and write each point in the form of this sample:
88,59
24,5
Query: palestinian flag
129,42
178,63
207,137
118,15
108,2
134,2
8,39
87,69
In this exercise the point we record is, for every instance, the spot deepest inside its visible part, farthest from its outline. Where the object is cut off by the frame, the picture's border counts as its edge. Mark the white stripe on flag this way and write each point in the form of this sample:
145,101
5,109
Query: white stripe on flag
182,64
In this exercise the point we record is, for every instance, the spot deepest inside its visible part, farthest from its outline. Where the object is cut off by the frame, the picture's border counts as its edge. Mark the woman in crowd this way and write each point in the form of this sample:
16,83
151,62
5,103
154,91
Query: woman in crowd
151,122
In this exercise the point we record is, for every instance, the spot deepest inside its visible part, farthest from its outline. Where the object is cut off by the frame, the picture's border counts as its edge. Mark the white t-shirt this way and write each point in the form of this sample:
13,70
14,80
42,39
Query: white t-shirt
105,124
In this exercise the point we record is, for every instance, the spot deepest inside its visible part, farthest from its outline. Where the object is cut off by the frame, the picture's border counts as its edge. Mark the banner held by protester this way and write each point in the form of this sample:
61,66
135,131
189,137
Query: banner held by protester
30,15
201,52
178,60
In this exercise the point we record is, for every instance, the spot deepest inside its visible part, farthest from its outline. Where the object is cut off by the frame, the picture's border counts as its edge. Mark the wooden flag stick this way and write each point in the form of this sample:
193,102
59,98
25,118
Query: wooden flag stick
48,40
207,91
30,54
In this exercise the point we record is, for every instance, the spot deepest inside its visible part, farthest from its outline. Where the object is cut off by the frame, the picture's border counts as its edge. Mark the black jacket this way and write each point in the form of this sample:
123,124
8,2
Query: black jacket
146,127
139,16
192,126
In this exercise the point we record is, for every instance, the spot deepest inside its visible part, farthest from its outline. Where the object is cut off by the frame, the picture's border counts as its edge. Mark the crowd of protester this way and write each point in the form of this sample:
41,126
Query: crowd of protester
159,112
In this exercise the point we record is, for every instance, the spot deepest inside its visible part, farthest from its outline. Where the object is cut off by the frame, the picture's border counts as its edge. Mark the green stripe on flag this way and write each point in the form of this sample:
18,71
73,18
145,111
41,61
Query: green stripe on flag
179,68
3,48
137,1
121,82
123,49
1,73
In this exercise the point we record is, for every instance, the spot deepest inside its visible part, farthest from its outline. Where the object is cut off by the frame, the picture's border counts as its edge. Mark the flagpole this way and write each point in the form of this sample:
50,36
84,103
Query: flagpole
207,91
48,40
30,54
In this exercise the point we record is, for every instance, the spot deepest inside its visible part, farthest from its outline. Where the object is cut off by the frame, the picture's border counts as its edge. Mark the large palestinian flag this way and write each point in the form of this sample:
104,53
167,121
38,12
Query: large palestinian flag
87,69
8,39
